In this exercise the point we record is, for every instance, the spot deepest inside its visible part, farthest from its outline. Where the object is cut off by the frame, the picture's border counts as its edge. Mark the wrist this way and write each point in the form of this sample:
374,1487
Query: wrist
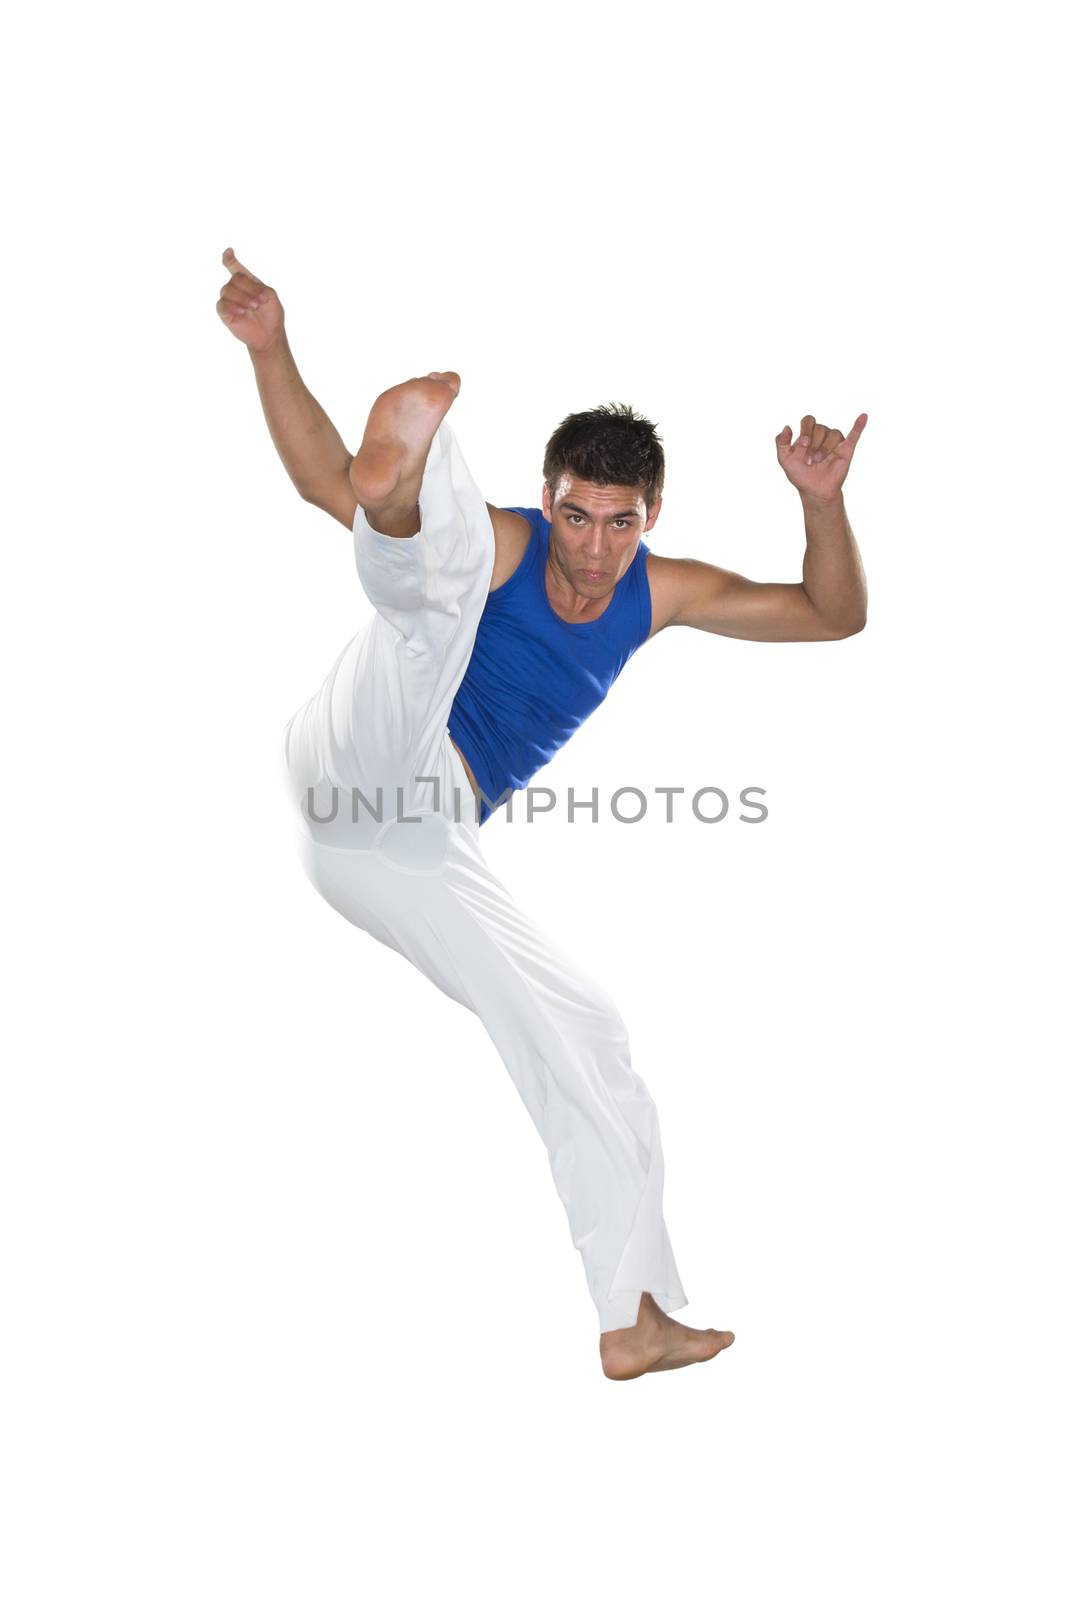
817,502
278,346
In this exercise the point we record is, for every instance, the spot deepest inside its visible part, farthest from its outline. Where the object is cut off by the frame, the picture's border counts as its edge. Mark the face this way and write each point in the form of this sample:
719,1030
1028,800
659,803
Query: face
595,532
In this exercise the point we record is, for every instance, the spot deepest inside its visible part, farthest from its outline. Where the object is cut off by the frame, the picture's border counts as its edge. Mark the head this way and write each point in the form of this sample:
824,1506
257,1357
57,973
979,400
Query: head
603,490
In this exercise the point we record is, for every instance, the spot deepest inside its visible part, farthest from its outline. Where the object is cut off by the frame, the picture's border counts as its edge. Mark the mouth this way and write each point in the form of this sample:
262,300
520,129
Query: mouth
592,577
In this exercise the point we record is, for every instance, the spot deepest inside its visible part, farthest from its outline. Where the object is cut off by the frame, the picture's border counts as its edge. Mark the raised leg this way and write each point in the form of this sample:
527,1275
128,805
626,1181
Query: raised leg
380,718
386,471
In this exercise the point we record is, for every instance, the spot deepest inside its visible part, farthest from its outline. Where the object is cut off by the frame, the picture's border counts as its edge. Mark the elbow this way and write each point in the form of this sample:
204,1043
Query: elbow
849,629
840,621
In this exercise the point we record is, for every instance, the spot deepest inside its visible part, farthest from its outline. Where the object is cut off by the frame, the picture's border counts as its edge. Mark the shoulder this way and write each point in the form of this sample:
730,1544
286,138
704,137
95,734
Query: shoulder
666,587
698,594
512,534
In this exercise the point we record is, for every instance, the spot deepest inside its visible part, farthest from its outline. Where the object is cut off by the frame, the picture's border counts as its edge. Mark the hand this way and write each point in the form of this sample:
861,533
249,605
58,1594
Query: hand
818,463
252,311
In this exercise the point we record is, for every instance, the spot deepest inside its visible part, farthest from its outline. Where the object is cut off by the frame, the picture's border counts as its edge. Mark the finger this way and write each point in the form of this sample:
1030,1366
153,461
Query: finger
246,290
241,283
783,441
807,426
238,297
245,281
829,444
810,432
846,447
818,434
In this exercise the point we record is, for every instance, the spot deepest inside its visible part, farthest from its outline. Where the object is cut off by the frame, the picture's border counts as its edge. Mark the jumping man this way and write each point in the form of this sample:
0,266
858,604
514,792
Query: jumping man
495,633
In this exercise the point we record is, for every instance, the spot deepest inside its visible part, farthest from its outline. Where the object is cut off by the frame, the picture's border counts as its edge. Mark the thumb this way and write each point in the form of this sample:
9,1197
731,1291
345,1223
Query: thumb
231,263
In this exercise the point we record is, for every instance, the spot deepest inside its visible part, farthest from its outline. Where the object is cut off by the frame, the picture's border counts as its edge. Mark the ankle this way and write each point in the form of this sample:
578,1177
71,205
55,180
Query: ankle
401,521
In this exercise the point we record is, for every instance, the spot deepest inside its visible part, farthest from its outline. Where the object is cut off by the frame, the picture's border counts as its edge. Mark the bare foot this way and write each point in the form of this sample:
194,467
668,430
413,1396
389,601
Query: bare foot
386,471
656,1343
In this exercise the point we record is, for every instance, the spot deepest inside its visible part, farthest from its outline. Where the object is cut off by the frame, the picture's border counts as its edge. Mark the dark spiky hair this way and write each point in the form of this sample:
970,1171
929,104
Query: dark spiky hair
609,445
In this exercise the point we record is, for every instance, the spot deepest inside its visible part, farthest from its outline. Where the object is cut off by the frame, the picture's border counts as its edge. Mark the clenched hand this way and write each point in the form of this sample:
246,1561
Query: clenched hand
817,465
249,307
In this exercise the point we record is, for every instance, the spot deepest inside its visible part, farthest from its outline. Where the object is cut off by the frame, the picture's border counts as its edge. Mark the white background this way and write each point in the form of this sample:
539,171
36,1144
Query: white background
292,1308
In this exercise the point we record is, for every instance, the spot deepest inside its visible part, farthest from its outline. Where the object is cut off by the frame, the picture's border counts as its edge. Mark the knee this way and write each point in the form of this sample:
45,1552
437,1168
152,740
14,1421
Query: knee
607,1018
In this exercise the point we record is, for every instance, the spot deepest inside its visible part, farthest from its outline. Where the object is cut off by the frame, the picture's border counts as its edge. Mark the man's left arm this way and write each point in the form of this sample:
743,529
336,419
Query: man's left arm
831,600
833,579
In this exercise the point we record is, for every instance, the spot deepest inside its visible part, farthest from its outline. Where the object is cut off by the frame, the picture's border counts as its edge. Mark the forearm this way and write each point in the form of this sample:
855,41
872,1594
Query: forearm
311,448
833,572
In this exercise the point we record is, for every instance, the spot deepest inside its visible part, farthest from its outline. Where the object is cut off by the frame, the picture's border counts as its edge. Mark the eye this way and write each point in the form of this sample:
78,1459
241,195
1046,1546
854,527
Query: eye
576,516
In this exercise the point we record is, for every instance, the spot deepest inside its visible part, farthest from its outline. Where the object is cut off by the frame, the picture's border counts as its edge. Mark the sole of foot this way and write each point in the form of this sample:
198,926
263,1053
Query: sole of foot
386,471
656,1343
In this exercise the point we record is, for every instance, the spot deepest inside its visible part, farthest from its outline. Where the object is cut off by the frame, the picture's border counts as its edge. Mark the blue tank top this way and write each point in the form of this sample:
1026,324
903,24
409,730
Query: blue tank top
533,678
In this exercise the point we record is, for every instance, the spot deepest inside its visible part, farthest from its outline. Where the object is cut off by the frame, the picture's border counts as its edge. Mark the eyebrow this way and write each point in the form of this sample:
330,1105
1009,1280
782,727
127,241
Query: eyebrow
571,505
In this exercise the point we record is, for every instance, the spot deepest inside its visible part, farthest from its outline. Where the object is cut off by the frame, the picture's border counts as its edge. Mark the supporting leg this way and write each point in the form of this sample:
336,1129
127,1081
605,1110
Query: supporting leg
567,1051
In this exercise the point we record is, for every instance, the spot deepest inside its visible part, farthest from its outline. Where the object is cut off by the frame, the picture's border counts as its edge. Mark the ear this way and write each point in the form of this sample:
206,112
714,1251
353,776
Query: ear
653,514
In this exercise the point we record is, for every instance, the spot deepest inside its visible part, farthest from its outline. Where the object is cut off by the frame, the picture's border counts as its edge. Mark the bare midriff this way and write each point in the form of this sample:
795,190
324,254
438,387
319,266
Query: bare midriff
466,768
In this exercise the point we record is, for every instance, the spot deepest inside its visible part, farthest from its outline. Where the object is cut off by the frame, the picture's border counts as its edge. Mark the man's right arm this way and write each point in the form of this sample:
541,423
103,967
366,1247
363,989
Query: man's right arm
312,451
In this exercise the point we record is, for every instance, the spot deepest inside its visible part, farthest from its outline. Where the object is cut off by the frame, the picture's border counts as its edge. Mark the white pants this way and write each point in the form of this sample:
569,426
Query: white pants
372,740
